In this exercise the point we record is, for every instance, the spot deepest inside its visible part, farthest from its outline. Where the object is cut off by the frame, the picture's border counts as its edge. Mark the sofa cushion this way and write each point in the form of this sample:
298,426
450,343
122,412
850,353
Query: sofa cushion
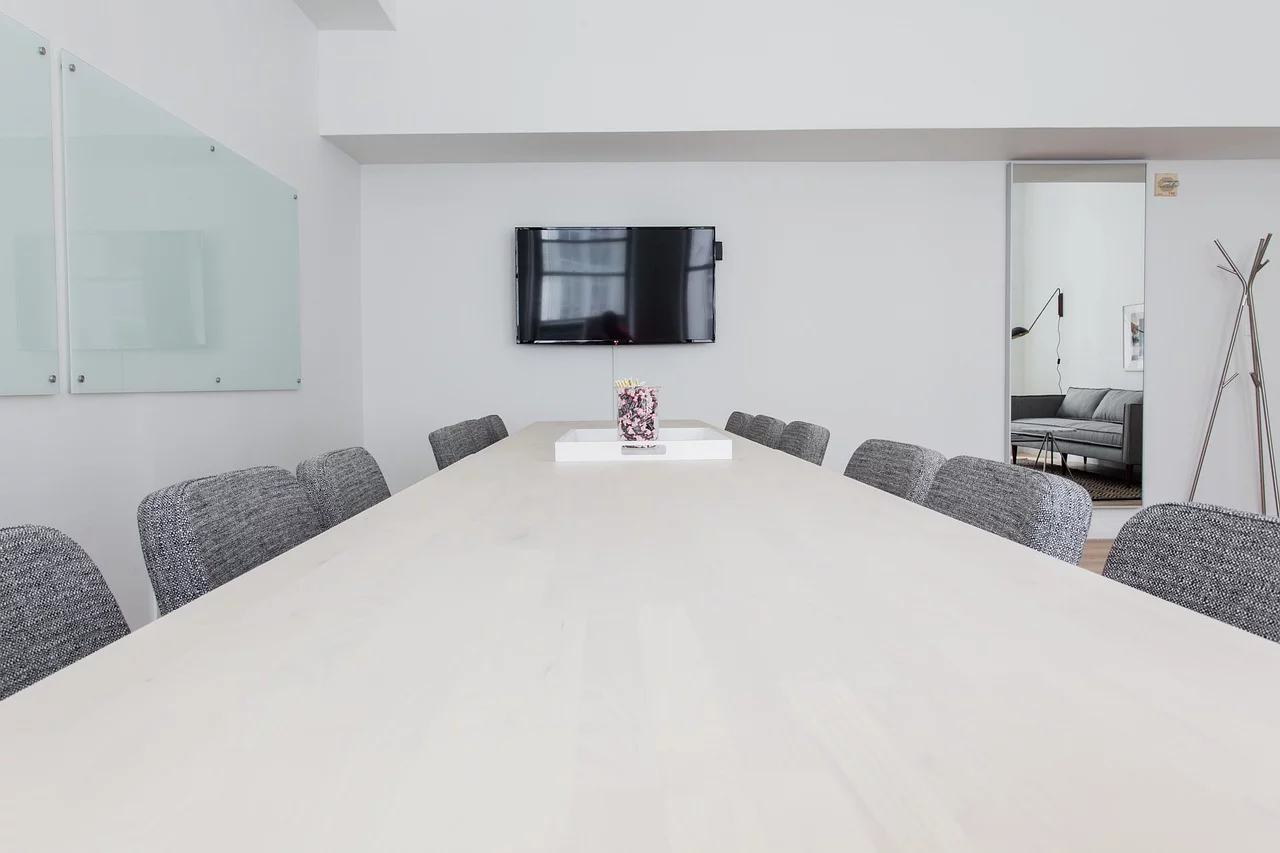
1081,403
1039,426
1112,406
1101,433
1104,433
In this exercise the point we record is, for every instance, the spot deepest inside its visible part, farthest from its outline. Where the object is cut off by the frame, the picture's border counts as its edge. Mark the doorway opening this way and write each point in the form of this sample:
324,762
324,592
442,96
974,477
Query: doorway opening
1077,242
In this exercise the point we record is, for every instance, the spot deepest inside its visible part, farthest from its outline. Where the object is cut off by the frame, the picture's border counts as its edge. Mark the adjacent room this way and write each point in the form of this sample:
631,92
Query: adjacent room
1077,238
686,426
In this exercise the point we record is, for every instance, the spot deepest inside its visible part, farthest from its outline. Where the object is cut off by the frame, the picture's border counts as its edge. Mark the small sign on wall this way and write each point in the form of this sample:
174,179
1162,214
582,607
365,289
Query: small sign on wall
1166,184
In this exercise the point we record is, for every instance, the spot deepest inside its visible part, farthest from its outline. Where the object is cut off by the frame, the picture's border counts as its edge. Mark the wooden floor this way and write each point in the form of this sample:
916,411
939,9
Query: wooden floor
1095,554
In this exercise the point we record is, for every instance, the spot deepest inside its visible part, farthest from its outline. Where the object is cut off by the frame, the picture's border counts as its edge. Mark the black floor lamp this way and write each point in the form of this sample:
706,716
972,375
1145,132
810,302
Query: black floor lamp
1020,332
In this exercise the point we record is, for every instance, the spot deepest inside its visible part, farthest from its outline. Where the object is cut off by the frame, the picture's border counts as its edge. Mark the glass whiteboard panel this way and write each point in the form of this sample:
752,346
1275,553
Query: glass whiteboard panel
28,286
182,256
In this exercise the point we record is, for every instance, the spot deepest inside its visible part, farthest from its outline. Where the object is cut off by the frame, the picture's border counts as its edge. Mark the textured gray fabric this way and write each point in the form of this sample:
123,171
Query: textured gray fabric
805,441
55,607
1039,426
199,534
1096,439
1034,406
900,469
495,427
1112,406
738,423
458,441
1081,402
342,483
449,444
1104,433
479,434
765,430
1216,561
1042,511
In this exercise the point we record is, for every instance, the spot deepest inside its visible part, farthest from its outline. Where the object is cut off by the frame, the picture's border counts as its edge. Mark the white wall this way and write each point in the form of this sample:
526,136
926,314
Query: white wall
904,262
1088,239
242,71
865,297
508,66
1190,309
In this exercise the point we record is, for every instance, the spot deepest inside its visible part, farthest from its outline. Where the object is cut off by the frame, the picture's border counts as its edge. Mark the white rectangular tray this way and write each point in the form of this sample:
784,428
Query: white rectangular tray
602,445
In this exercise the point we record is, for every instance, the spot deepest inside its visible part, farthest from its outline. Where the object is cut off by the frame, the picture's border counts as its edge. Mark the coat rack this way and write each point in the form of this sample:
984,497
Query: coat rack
1262,412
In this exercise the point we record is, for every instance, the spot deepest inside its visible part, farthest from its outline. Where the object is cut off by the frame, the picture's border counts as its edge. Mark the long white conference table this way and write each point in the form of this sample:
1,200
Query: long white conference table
755,655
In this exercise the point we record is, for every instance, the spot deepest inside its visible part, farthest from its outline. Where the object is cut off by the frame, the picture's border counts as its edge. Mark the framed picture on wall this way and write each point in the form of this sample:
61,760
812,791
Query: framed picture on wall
1135,330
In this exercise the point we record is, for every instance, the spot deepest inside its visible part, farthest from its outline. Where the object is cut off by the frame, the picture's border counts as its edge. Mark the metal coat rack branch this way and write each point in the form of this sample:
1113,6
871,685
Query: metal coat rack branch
1262,411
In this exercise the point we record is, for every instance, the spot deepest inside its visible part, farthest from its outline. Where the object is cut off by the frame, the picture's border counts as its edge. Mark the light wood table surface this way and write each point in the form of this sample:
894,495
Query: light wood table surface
755,655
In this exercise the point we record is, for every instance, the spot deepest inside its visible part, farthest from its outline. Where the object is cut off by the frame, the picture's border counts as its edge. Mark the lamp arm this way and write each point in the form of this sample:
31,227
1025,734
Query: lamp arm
1056,291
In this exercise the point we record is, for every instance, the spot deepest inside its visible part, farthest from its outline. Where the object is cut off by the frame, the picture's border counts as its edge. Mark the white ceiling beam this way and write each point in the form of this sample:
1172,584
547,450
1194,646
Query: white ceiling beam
1152,143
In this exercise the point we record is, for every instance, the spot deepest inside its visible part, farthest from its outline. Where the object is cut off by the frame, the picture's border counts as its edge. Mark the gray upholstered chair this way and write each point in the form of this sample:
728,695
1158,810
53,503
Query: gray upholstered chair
495,427
55,607
1042,511
199,534
805,441
905,470
738,423
765,430
1216,561
455,442
342,483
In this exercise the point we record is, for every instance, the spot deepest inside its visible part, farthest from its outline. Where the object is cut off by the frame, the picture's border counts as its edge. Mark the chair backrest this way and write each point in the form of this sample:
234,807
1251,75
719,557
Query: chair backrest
458,441
55,608
342,483
805,441
480,434
1042,511
905,470
199,534
738,423
765,430
1216,561
495,427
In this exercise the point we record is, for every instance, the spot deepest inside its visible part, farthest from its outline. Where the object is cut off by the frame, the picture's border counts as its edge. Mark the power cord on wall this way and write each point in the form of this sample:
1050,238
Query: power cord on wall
1058,352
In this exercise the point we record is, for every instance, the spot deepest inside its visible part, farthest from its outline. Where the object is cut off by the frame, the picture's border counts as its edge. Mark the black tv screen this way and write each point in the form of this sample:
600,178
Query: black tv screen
615,285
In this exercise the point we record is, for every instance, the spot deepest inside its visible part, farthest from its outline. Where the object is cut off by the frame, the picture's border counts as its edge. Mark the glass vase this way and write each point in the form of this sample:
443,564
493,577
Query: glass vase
637,413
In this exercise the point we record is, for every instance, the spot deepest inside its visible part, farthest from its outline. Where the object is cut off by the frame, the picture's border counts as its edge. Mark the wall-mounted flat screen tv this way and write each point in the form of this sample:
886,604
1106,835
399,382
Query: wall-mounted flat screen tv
615,285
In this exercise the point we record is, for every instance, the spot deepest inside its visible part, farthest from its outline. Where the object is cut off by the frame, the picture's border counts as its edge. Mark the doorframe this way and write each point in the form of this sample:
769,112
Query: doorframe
1008,285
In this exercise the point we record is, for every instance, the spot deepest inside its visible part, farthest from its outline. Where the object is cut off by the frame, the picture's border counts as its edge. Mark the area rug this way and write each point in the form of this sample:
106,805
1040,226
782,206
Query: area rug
1099,486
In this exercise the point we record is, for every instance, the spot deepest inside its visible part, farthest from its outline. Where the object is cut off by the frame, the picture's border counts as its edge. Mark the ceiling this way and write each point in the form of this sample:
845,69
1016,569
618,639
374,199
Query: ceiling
350,14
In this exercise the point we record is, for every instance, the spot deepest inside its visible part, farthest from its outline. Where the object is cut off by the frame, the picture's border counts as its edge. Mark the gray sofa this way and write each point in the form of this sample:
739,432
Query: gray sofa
1095,423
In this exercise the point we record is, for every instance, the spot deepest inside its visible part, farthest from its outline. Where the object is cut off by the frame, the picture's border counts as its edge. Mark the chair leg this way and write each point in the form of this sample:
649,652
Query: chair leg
1013,453
1128,474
